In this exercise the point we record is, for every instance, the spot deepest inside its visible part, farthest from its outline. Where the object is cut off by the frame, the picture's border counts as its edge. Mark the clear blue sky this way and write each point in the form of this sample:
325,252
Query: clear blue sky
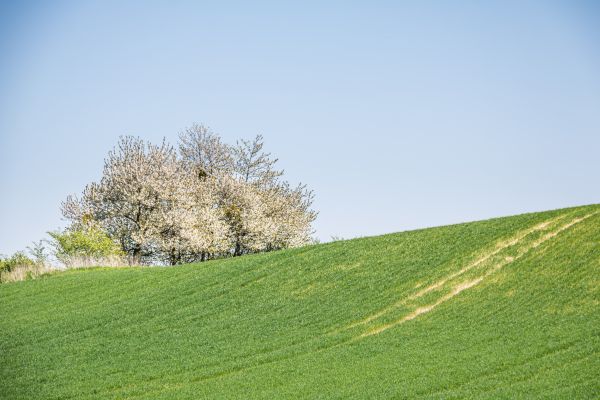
398,114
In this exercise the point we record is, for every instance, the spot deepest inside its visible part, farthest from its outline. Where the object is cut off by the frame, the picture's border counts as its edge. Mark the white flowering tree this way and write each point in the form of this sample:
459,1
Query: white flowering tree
262,212
206,201
137,199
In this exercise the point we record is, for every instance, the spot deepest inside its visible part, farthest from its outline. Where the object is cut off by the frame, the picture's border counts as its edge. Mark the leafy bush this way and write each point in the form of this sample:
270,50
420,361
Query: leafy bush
85,240
19,267
17,259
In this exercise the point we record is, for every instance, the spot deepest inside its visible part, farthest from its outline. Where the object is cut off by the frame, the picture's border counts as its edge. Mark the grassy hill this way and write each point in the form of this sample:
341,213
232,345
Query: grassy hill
503,308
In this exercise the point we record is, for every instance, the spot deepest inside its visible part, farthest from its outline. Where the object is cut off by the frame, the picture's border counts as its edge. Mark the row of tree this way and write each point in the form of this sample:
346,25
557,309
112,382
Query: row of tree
202,200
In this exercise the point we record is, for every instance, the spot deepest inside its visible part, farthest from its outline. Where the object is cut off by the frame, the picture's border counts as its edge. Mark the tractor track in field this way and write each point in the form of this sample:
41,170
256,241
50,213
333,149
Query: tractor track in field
467,284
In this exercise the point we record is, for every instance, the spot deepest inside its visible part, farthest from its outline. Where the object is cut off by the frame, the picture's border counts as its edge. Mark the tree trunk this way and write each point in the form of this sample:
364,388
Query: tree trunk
136,253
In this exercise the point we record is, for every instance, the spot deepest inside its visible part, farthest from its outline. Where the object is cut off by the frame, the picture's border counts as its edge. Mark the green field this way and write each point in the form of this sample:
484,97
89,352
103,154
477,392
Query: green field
504,308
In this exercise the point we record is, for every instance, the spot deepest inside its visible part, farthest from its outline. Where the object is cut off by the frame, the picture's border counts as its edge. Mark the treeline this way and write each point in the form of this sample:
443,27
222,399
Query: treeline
201,200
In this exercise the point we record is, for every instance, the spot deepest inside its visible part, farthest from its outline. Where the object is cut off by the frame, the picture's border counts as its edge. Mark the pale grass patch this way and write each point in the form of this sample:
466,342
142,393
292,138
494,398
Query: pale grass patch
304,291
348,267
23,272
90,262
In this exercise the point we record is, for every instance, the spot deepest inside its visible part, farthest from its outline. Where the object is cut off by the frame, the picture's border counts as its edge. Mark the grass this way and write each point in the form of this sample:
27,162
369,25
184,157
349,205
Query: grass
504,308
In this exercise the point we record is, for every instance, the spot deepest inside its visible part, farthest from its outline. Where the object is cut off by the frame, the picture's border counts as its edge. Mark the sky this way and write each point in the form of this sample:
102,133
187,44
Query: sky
399,115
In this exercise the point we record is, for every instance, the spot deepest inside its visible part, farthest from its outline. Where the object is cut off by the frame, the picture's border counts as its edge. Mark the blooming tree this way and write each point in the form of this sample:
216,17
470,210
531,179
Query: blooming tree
208,200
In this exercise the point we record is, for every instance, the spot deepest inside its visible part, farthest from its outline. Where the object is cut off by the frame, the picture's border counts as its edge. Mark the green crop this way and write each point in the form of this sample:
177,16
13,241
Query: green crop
504,308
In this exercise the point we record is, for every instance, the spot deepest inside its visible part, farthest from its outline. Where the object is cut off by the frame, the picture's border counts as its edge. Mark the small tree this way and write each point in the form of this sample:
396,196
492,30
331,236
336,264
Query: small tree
38,251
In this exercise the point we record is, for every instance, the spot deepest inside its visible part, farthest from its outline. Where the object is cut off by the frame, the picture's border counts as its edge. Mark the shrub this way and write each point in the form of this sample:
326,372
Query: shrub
19,267
17,259
84,242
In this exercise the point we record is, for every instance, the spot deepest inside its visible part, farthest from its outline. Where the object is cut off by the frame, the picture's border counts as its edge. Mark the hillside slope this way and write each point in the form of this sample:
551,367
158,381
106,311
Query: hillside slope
503,308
